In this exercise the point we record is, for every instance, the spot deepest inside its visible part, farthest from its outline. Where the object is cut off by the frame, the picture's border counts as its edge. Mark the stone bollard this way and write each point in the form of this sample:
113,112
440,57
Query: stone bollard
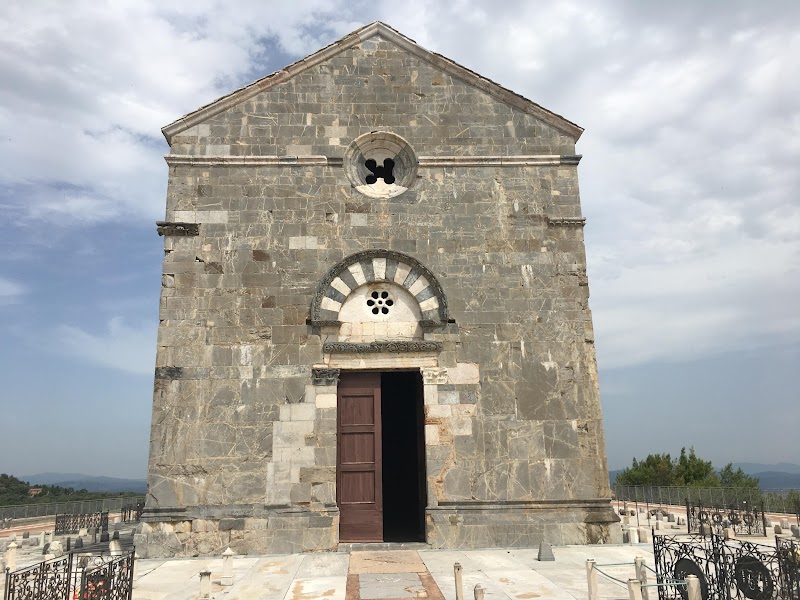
633,536
728,533
42,539
641,574
591,579
784,524
644,535
459,581
227,567
205,585
115,548
479,592
545,552
104,537
778,530
693,590
634,589
83,532
795,531
670,518
11,556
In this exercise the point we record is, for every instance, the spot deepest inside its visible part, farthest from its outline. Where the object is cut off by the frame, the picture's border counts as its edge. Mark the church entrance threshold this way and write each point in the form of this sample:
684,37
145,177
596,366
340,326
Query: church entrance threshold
380,458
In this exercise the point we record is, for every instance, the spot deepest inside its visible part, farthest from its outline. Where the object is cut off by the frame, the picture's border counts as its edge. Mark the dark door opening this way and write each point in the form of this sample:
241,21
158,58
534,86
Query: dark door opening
403,449
380,457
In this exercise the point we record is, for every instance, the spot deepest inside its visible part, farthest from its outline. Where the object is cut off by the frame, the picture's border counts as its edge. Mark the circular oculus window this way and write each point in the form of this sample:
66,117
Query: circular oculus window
380,164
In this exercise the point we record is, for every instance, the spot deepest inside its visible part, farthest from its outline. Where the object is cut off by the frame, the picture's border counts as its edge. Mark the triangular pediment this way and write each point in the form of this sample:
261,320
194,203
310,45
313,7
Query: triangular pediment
376,29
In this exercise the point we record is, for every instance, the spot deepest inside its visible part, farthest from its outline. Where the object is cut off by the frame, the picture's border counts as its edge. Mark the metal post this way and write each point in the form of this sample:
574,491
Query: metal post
693,588
479,592
637,512
459,582
688,517
591,579
634,589
641,574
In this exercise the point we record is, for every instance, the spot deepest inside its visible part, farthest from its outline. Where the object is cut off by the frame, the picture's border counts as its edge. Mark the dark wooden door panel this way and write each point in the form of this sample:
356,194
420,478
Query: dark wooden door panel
358,458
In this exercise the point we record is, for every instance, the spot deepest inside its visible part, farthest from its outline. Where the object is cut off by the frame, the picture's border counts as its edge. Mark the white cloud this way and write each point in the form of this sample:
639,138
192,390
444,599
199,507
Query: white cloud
10,291
120,346
692,131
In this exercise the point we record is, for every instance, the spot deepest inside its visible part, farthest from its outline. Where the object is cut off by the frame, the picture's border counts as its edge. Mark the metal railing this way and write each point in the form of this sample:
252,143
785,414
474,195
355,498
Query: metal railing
74,575
775,501
29,511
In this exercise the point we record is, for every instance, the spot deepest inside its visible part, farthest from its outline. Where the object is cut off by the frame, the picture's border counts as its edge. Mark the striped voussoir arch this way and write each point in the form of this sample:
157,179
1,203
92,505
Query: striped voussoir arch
379,266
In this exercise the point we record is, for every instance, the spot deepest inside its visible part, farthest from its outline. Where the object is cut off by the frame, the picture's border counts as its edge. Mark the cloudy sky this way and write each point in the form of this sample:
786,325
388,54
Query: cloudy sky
689,183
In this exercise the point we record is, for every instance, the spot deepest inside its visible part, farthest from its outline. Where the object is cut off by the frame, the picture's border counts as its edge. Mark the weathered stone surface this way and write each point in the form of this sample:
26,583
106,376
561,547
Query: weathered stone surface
485,251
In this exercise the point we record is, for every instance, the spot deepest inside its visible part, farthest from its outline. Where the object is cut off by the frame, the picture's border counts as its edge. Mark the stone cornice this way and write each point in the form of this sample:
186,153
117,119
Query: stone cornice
382,30
177,228
254,161
520,160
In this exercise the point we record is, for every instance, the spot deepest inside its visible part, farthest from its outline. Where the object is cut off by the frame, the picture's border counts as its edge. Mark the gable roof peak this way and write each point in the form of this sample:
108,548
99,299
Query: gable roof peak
376,28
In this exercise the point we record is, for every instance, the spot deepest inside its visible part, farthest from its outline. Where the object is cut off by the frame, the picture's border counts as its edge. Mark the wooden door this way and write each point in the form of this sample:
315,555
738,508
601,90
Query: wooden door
358,458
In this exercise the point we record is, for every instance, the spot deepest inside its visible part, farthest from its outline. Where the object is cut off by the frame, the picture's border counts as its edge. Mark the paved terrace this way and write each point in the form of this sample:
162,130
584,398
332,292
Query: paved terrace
504,574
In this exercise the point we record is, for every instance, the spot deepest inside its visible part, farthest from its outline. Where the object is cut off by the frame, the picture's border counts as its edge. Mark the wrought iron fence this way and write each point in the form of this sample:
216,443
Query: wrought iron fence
75,575
132,512
789,560
747,520
727,569
30,511
74,523
112,580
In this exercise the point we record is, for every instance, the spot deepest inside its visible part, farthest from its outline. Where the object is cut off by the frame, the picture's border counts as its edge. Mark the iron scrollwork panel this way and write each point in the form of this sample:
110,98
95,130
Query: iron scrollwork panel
112,580
48,579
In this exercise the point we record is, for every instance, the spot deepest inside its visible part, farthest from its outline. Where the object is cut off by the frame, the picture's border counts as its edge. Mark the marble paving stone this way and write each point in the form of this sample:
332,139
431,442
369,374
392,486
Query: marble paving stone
493,560
269,579
527,584
401,561
393,585
442,561
324,565
330,588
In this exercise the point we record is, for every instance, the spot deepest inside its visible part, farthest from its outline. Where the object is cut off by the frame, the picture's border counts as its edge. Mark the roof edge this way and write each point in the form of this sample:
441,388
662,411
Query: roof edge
488,86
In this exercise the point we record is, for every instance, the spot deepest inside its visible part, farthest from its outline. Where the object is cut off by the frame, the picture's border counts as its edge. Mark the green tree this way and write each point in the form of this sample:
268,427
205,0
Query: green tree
687,470
730,478
694,471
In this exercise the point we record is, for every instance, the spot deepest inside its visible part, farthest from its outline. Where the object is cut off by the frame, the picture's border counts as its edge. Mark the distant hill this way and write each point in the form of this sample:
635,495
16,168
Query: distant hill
89,483
778,480
756,468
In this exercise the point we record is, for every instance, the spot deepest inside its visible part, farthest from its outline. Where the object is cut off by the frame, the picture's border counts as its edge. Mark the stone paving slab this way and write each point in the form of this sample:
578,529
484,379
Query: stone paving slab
393,575
400,561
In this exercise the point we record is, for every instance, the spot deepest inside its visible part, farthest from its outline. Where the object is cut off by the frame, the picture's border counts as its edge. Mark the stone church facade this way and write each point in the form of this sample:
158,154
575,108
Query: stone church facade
374,318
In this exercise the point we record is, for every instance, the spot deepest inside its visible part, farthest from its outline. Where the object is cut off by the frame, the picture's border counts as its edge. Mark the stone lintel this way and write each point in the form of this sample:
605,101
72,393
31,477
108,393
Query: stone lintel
177,228
381,347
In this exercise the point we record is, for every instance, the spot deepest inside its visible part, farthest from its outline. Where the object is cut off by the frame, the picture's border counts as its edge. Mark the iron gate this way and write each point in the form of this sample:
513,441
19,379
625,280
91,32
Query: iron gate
727,569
